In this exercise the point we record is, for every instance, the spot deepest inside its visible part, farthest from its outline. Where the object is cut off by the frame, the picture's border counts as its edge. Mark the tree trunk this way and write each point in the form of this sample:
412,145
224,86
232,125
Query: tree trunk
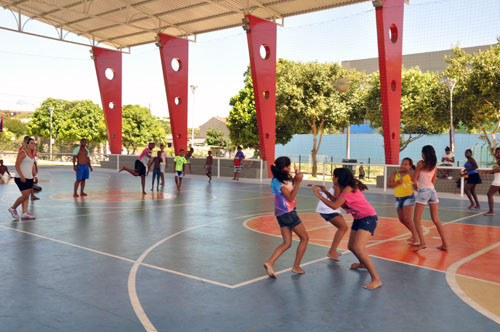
316,145
492,143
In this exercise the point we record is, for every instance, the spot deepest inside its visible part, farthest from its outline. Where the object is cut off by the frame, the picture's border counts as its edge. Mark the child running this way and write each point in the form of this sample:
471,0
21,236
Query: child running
285,189
82,167
208,166
140,165
179,162
352,200
334,217
495,185
425,177
156,162
402,183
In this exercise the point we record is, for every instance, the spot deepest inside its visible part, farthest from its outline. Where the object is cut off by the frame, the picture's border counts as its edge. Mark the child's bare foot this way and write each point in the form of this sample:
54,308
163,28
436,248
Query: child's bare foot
298,270
477,207
489,213
373,285
420,247
335,256
357,266
414,244
75,195
471,206
270,271
83,194
144,193
443,247
410,239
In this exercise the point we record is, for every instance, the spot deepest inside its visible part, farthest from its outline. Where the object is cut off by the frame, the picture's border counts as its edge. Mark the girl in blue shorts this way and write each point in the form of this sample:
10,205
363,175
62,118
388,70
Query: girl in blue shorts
402,182
285,189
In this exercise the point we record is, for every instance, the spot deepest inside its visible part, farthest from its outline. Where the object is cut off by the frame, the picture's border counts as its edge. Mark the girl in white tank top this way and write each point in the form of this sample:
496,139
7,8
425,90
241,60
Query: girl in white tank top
495,185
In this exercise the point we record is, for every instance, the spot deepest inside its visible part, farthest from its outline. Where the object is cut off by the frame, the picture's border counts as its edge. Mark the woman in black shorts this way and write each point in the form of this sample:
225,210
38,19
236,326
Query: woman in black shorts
473,179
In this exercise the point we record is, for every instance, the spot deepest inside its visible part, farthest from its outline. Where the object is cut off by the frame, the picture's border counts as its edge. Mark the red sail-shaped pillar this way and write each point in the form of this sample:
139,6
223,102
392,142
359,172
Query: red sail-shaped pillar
174,61
261,36
108,66
389,14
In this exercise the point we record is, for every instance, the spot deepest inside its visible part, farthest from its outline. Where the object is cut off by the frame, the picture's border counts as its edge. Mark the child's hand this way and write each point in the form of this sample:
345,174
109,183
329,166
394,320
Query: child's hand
299,177
295,168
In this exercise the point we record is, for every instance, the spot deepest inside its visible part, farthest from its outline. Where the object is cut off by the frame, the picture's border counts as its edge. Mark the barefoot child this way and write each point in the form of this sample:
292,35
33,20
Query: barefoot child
4,178
425,177
238,158
156,162
402,182
140,165
352,200
495,185
285,189
179,162
473,179
334,217
208,166
164,163
82,167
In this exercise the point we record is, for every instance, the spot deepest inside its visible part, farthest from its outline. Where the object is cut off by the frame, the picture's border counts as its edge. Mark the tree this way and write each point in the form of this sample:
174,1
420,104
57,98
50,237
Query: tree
476,97
242,120
216,137
83,120
140,127
40,123
424,104
15,126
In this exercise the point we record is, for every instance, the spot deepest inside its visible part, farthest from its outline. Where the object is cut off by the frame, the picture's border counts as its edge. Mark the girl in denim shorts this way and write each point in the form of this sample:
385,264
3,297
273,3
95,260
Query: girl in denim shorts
425,177
352,200
402,182
285,189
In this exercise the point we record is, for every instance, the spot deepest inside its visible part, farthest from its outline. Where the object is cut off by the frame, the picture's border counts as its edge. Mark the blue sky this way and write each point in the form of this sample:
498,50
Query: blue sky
32,69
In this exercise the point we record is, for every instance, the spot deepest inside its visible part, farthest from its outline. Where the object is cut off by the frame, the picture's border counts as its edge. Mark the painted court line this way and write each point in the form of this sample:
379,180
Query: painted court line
451,274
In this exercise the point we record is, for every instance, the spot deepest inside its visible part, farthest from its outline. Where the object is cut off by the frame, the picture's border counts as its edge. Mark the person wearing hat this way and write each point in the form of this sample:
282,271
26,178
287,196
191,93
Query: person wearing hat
141,164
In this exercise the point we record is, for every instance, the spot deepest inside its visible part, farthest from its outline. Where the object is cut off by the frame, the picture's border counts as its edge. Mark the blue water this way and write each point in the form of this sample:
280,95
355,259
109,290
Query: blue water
364,146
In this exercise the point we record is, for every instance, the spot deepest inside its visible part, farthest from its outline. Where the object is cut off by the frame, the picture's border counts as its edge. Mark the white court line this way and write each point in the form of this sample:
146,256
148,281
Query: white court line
451,273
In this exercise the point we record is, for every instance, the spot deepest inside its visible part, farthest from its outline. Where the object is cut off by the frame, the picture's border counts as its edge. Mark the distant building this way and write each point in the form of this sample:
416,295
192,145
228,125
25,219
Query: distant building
214,123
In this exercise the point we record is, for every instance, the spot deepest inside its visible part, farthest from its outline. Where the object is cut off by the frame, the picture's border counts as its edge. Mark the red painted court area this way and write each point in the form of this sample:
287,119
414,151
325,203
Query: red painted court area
389,242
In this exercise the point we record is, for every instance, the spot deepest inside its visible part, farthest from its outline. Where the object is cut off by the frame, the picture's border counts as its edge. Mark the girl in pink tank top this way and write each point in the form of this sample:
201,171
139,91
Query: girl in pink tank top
352,200
425,177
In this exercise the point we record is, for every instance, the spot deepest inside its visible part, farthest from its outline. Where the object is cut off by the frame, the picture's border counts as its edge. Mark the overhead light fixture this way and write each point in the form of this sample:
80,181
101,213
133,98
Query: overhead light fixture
246,22
377,3
157,38
158,44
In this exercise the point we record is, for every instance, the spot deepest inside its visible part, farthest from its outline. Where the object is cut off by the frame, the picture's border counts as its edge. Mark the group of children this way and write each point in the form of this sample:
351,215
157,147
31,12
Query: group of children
347,193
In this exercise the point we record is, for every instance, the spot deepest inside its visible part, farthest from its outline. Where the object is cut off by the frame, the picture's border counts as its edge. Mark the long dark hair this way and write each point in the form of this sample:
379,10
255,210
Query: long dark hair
411,162
430,159
277,169
345,178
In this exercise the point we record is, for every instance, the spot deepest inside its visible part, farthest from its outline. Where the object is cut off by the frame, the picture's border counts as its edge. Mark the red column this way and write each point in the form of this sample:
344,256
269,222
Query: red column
108,66
261,36
174,61
389,14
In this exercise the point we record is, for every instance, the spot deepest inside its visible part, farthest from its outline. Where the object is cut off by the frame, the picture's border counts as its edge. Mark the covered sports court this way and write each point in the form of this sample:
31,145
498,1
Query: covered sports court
192,261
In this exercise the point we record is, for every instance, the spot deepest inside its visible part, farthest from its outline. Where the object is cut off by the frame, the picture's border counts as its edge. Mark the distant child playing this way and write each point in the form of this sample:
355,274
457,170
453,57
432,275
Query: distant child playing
156,162
208,166
4,178
238,158
179,162
495,185
140,165
164,163
402,182
285,189
352,200
81,165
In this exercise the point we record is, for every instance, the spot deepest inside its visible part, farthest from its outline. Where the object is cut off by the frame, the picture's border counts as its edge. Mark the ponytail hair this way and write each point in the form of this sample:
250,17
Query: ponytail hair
345,178
277,169
411,162
430,159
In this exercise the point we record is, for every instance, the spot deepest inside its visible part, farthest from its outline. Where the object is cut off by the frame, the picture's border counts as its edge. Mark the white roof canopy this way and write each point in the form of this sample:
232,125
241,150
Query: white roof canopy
123,24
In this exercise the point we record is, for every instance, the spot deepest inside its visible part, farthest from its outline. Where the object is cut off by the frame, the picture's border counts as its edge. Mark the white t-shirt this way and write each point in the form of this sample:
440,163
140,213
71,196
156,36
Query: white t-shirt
449,156
325,209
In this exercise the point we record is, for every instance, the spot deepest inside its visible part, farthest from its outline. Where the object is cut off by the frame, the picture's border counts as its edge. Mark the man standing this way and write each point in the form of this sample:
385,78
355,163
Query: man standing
82,159
141,164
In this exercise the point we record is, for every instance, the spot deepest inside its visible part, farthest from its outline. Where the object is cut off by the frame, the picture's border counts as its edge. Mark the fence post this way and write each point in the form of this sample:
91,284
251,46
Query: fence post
369,162
299,162
117,162
261,168
462,181
324,166
385,177
218,168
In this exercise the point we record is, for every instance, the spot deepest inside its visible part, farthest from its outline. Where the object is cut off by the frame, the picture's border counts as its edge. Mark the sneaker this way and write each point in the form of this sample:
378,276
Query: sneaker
13,213
27,216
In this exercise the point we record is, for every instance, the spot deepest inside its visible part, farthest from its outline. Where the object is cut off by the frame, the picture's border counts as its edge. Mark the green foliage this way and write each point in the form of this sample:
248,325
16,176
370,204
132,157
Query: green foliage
15,126
83,120
216,137
140,127
40,123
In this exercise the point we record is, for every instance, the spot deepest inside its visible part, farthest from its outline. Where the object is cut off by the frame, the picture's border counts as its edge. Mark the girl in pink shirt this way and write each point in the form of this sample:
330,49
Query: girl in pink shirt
352,200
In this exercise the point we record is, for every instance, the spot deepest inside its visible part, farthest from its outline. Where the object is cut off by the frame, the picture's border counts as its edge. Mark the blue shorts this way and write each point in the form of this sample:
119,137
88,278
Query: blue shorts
179,173
290,219
367,223
329,216
82,172
427,195
405,201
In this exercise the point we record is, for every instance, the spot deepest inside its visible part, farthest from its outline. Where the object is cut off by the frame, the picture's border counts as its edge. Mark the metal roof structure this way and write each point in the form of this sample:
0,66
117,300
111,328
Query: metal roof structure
122,24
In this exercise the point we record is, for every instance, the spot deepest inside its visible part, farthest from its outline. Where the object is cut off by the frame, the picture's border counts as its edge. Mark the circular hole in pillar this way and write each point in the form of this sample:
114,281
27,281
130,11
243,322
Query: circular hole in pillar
109,73
267,135
177,100
393,85
265,51
266,94
176,64
111,105
179,135
393,33
393,135
113,136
